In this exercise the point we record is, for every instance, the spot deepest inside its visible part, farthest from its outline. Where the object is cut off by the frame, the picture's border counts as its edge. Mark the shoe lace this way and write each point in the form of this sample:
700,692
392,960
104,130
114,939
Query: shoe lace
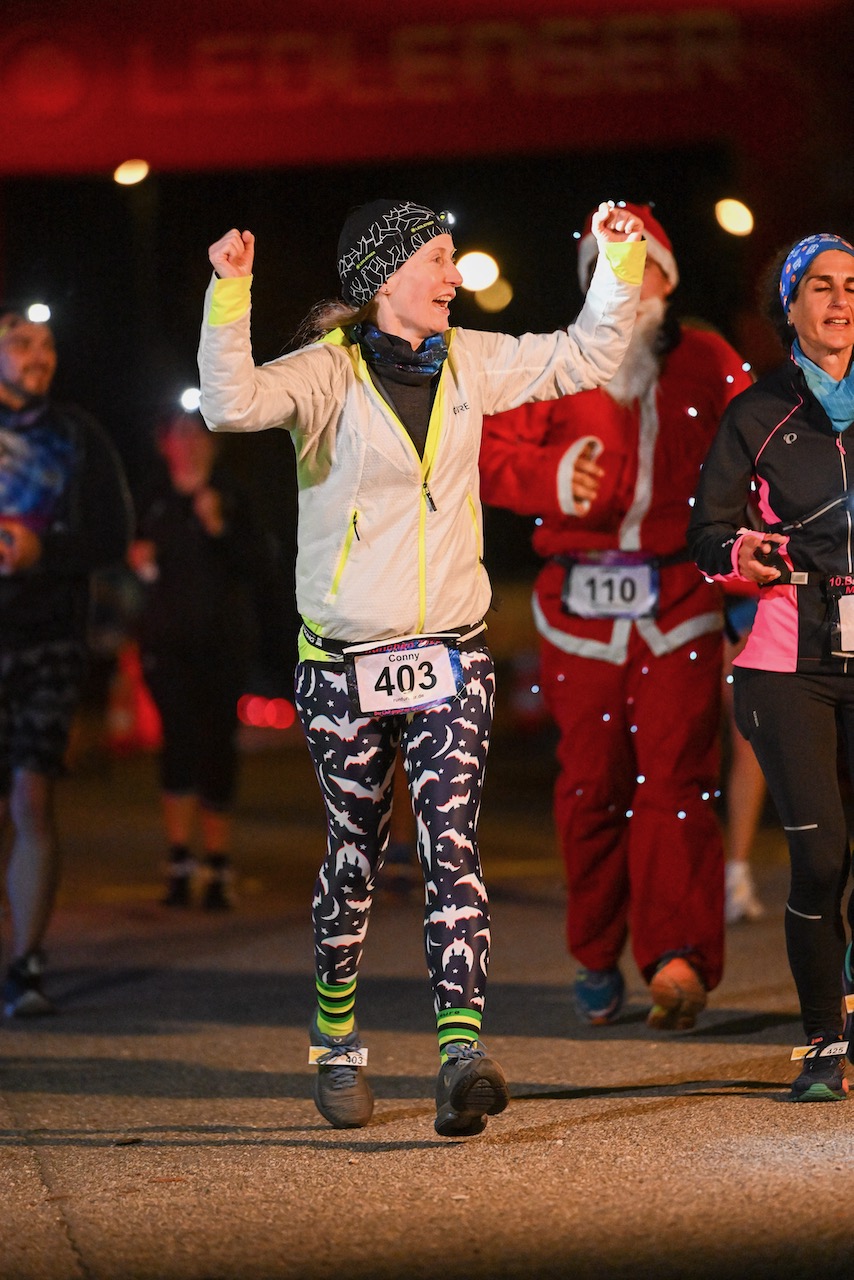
464,1052
341,1075
814,1062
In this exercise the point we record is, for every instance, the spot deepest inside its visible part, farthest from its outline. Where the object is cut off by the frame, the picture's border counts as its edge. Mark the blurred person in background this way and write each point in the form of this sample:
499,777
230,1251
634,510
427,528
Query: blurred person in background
787,441
630,647
384,405
64,513
204,566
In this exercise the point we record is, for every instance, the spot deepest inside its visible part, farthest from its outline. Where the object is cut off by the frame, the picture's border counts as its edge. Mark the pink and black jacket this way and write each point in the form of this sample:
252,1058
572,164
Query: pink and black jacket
777,448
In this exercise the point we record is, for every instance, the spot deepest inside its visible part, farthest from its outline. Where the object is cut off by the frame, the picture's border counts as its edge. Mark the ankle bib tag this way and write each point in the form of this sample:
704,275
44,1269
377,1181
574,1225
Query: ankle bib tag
837,1049
318,1054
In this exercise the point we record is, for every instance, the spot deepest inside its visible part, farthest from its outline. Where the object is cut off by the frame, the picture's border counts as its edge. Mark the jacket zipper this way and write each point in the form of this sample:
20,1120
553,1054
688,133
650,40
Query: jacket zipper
352,532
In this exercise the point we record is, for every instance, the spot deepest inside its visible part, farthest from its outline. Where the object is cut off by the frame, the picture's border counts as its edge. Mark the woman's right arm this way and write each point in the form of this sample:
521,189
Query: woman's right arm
719,539
237,394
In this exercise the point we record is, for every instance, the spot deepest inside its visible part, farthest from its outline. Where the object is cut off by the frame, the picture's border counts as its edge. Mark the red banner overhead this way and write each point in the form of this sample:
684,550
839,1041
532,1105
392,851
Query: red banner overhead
191,87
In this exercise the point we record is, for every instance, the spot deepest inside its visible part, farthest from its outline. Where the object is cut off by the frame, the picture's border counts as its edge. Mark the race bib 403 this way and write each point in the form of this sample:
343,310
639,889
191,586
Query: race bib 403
412,676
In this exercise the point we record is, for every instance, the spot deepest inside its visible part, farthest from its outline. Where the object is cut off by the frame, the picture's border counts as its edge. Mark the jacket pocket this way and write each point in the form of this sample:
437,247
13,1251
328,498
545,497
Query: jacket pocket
351,536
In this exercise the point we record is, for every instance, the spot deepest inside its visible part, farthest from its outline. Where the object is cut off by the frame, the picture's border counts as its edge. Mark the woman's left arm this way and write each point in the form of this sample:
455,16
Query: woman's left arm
546,366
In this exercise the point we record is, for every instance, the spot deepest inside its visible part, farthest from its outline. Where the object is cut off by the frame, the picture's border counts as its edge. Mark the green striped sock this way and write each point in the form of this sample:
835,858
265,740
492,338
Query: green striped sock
457,1026
335,1005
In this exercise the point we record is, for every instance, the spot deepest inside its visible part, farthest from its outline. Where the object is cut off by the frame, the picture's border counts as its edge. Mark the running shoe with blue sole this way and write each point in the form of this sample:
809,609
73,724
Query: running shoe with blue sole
598,995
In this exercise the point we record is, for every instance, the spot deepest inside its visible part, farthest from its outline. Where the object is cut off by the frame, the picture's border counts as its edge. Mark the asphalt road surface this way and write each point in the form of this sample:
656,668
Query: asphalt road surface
161,1126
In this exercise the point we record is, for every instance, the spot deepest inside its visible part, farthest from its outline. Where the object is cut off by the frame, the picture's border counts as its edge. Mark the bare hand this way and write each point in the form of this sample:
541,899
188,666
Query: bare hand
611,224
233,254
587,474
20,548
748,565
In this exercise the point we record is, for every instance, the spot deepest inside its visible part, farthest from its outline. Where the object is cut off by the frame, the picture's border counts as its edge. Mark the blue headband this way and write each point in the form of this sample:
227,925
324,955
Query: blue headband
801,256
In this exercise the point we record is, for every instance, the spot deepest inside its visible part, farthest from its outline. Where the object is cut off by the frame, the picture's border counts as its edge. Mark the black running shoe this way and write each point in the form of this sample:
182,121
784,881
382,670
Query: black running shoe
469,1088
848,992
822,1078
217,893
179,878
342,1095
22,991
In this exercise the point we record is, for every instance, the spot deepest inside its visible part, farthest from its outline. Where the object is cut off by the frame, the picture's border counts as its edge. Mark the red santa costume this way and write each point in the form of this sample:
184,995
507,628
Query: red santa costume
630,651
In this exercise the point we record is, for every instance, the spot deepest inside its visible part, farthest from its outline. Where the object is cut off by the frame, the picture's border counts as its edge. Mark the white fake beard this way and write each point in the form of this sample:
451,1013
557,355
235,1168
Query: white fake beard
641,365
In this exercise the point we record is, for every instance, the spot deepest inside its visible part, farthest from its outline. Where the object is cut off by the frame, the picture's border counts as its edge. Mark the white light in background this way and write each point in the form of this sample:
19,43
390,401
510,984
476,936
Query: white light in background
190,399
498,296
478,270
734,217
38,312
131,172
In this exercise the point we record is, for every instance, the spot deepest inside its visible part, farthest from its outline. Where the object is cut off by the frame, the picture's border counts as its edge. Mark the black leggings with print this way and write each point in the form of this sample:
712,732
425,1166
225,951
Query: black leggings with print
444,755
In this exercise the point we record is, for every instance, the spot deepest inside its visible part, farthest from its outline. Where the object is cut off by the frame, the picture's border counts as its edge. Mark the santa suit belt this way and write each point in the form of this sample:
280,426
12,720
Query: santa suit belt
616,556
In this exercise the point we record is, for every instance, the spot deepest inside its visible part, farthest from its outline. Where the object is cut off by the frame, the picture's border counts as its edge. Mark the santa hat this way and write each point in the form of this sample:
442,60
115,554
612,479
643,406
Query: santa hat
658,244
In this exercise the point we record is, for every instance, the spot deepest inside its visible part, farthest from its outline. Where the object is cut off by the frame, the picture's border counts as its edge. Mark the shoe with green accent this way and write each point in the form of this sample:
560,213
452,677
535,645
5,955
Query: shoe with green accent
678,994
470,1087
848,994
341,1092
822,1078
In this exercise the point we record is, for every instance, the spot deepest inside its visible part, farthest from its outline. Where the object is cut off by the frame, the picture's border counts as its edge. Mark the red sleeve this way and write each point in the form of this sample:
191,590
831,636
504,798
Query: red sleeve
519,462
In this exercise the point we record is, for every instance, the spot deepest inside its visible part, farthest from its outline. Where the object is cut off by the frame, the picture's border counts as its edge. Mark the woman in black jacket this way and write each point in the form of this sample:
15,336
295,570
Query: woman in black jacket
789,439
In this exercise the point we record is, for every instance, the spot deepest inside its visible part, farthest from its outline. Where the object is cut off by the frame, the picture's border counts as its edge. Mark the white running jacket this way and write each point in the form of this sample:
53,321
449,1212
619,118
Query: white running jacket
391,544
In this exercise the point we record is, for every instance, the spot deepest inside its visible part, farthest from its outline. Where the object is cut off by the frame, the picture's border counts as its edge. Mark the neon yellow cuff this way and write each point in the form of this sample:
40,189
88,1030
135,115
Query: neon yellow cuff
230,299
627,259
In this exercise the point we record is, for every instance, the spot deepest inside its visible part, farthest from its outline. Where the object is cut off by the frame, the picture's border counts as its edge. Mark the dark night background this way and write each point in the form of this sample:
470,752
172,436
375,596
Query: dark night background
124,270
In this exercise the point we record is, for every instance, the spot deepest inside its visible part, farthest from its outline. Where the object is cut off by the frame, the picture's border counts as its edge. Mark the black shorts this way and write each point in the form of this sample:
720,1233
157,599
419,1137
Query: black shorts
39,692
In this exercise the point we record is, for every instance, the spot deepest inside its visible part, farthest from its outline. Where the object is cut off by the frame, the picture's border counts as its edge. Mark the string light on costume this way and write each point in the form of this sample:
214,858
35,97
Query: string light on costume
734,217
681,814
38,312
640,778
730,378
606,717
692,412
693,655
691,502
747,366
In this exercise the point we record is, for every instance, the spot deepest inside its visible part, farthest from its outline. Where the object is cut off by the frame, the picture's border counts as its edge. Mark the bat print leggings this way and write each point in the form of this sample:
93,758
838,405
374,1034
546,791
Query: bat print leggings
444,755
